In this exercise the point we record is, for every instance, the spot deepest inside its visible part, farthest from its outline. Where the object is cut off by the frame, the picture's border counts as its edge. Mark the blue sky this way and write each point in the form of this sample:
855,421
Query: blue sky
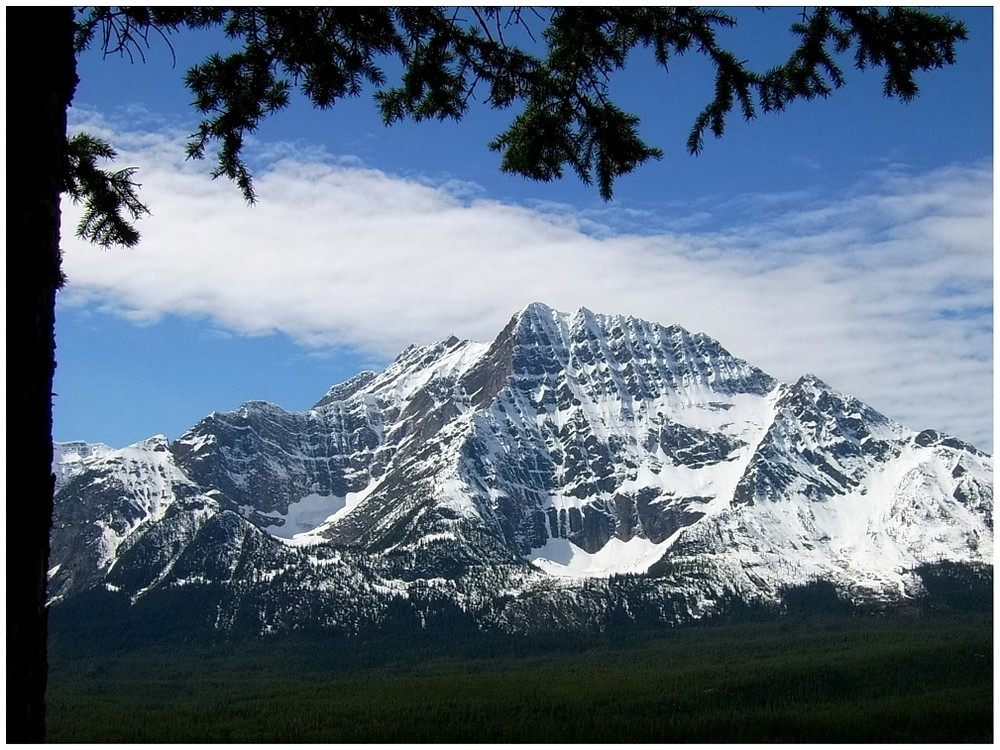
850,237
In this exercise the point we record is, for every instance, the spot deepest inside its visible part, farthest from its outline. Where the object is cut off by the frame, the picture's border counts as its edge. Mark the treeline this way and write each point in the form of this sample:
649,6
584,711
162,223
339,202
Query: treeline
213,612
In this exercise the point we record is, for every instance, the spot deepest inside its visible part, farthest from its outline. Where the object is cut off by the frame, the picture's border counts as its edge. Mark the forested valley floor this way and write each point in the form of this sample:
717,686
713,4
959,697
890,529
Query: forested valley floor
843,677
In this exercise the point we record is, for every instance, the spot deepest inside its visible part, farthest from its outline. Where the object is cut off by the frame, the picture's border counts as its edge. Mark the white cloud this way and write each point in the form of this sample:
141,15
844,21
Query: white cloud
885,293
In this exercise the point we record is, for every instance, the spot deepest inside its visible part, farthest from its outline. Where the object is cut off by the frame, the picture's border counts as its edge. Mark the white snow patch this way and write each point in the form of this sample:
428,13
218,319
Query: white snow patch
70,459
197,442
445,536
307,528
560,557
403,379
454,493
305,515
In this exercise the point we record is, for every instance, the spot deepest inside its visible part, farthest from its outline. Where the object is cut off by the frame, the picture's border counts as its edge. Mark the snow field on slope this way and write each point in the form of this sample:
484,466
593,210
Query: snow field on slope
304,515
147,472
402,380
560,557
900,516
309,517
70,459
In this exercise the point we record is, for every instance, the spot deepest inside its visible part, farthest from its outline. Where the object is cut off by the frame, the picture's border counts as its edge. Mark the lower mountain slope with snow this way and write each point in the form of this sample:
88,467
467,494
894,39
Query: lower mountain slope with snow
514,483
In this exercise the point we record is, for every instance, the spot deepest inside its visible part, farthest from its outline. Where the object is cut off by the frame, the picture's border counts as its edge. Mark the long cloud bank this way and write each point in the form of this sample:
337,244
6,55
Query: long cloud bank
885,291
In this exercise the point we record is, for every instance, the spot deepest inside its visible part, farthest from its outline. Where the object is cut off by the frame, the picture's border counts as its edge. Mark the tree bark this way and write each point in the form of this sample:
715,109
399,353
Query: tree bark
38,94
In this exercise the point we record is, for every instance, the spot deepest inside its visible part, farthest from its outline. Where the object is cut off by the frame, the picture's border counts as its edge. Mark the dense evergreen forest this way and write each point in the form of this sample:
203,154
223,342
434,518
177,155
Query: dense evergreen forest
813,670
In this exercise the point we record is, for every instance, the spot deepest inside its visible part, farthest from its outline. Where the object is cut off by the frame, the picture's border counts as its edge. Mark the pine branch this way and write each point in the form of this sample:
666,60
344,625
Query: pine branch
107,196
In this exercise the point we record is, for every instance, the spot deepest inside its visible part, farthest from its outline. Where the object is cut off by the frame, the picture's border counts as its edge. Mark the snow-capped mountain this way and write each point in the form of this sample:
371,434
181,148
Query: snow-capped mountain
69,459
509,481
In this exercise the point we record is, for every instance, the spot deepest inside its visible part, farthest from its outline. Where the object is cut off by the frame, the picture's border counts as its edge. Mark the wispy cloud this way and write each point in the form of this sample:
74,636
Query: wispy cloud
884,291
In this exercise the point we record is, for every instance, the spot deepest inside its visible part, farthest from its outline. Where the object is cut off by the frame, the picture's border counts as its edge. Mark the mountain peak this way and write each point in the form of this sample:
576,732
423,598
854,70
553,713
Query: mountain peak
536,310
348,388
812,381
573,445
156,443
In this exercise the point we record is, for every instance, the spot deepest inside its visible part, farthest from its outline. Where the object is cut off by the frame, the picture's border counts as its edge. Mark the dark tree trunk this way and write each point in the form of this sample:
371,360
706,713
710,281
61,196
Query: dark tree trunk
38,93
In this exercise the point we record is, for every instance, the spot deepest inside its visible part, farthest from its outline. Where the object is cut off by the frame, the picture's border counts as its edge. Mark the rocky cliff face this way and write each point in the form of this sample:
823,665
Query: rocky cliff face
509,480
